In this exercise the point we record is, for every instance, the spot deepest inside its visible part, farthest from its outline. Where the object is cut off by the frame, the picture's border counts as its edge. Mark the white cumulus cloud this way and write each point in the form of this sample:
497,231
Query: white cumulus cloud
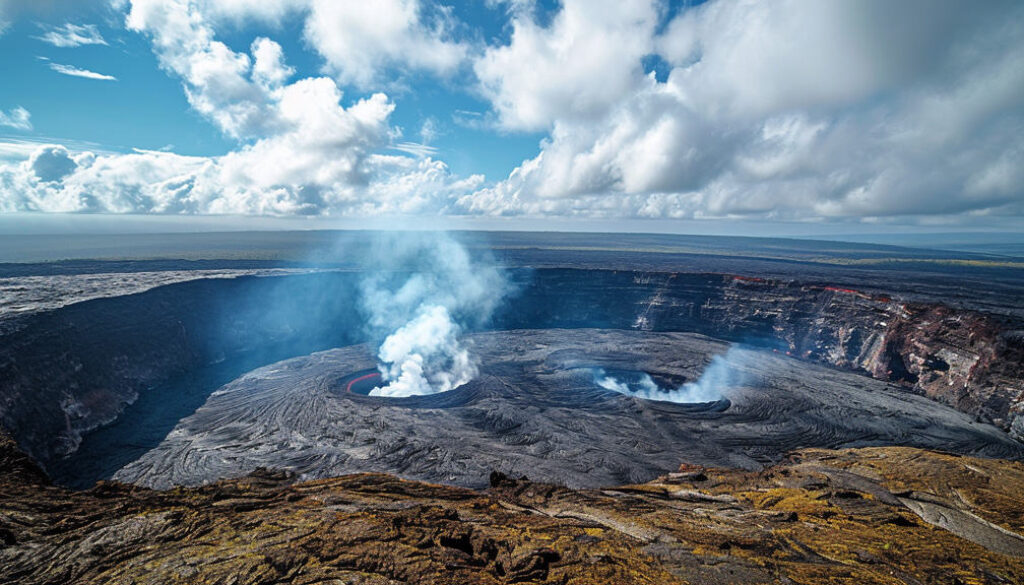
791,109
300,150
360,40
368,45
586,60
18,118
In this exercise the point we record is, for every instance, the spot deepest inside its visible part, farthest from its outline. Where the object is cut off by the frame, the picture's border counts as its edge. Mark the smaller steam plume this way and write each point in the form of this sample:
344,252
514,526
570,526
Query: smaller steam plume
723,372
427,290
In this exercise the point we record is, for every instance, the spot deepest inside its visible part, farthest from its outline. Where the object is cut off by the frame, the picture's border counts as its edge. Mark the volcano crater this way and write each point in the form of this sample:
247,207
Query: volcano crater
534,410
172,385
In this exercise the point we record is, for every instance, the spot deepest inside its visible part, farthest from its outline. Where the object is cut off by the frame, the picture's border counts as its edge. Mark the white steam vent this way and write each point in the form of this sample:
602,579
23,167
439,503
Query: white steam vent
722,373
427,289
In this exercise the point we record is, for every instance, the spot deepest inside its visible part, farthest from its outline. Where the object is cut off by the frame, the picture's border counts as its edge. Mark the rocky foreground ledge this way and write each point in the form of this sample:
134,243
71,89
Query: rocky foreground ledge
879,515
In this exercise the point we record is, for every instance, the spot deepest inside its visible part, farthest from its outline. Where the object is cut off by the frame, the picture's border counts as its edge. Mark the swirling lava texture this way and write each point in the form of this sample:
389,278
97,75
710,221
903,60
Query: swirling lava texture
536,411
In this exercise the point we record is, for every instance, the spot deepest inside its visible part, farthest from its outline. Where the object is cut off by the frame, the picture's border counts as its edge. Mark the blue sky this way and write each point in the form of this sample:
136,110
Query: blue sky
146,108
143,108
861,113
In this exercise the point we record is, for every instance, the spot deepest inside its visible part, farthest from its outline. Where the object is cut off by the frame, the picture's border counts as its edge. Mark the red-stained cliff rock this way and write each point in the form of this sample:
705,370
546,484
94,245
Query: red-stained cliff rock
966,359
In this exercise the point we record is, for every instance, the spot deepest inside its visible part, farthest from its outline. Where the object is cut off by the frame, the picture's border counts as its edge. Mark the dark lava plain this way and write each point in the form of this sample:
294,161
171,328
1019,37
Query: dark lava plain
535,411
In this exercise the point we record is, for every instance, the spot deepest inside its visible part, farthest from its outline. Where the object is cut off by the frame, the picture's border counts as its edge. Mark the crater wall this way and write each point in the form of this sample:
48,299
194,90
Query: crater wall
70,370
67,371
969,360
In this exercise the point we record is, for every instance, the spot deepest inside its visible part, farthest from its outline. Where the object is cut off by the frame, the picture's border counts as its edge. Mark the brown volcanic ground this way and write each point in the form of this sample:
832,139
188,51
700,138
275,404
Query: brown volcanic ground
859,516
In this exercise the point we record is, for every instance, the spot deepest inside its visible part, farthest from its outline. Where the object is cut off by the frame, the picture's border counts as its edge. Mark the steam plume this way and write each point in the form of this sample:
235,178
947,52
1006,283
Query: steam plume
723,372
427,290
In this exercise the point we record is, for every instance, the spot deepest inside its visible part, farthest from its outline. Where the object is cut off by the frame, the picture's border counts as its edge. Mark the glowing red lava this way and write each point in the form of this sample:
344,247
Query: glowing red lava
348,388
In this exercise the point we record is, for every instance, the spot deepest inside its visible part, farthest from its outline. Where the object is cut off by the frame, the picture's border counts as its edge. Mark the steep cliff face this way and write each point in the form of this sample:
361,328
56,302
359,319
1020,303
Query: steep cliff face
67,371
961,358
70,370
964,359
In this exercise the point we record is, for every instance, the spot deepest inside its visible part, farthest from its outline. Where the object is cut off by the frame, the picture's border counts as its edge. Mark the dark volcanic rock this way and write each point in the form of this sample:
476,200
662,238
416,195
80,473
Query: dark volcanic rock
535,411
68,371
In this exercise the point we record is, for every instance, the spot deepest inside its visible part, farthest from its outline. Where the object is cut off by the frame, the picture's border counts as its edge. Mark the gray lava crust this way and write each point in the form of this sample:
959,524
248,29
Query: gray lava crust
535,411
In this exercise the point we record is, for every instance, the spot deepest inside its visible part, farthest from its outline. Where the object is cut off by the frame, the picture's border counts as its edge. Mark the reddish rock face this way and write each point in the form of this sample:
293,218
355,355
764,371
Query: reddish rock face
960,358
967,359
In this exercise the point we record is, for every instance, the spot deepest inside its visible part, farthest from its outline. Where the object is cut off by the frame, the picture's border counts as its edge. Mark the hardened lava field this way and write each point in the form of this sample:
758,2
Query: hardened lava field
536,410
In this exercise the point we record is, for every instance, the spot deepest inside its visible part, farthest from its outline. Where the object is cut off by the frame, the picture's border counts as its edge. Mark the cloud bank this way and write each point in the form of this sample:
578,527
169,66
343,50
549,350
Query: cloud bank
301,151
786,109
795,110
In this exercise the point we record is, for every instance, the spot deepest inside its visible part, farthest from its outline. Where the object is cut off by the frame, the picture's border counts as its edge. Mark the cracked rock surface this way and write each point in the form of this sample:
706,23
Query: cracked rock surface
819,516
